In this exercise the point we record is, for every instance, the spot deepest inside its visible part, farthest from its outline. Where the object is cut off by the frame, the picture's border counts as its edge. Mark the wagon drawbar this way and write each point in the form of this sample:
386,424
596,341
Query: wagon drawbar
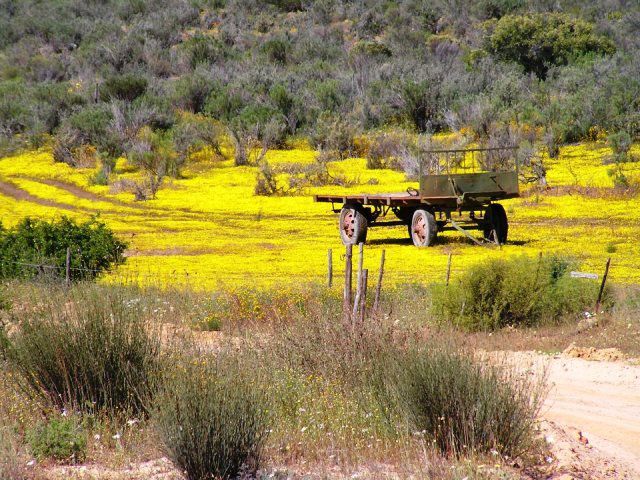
450,182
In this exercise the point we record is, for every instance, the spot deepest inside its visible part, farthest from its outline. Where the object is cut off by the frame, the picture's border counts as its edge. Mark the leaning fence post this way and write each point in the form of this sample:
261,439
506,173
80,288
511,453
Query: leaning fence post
604,279
448,270
376,299
329,268
67,268
347,280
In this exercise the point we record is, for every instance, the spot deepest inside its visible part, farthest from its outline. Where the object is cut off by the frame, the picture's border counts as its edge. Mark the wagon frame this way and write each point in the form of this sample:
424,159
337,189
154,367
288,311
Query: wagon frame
450,182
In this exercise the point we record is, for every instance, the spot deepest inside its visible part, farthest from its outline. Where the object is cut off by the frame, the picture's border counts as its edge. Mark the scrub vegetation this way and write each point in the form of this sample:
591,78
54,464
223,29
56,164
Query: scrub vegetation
171,148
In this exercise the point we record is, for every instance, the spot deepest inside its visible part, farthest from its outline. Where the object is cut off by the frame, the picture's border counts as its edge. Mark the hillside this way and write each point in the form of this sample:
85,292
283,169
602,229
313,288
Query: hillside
96,73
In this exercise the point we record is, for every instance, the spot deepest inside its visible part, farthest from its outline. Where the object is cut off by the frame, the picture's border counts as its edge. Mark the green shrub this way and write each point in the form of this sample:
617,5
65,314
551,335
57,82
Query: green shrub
462,405
541,40
60,439
519,291
37,247
620,143
89,350
334,135
421,104
202,49
277,50
101,177
212,418
128,86
92,122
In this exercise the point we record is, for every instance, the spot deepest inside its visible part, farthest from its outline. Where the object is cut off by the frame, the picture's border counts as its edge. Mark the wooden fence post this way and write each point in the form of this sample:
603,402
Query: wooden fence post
347,280
376,299
604,279
329,268
363,295
356,303
67,268
448,270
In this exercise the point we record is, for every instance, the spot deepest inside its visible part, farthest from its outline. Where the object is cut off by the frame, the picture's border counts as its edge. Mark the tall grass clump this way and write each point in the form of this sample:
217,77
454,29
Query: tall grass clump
462,405
407,385
91,350
517,291
212,417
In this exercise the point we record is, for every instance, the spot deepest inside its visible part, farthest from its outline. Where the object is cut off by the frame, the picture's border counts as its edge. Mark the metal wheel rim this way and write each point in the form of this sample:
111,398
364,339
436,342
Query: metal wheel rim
420,229
349,223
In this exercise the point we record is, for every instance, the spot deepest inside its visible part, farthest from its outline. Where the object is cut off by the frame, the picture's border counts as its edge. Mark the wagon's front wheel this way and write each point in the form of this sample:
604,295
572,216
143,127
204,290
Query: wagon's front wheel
352,225
496,226
423,228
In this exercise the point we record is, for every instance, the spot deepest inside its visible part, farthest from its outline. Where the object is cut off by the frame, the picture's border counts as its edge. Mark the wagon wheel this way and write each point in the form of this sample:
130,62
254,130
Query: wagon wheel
496,225
423,228
352,225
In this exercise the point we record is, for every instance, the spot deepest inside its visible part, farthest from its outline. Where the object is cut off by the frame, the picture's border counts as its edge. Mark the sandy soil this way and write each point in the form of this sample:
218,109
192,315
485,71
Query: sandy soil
592,413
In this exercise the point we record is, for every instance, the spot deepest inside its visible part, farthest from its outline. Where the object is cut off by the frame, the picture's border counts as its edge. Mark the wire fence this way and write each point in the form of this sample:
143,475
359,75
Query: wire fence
204,279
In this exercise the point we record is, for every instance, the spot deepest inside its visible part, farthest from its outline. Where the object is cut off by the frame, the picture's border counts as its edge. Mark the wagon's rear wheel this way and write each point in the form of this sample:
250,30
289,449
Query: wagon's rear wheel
423,228
496,225
352,225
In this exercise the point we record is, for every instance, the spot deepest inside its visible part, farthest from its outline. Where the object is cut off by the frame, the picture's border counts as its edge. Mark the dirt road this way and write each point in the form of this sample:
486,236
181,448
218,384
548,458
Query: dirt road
599,400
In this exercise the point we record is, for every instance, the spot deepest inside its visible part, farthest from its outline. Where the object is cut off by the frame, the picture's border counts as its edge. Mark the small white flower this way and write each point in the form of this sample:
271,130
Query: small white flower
132,422
31,463
116,436
96,437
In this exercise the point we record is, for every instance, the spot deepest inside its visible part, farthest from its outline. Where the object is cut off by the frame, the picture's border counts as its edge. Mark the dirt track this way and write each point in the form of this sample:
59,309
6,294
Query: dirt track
601,400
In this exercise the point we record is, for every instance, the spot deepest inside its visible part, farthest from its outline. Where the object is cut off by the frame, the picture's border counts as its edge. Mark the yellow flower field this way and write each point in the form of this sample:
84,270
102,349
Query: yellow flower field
208,229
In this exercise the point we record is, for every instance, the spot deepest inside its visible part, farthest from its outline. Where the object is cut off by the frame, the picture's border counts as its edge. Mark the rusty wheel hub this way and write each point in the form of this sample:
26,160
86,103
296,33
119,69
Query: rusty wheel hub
348,223
420,228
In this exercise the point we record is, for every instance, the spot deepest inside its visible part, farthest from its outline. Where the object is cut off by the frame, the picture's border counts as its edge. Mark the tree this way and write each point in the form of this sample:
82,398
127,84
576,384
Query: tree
154,153
540,41
253,124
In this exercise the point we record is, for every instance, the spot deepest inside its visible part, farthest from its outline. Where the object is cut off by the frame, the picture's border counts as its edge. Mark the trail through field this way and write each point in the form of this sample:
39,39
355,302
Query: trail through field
592,415
10,190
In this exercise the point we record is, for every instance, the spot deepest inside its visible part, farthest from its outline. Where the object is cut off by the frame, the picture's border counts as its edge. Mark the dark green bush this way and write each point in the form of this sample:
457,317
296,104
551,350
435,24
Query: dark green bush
91,350
464,405
203,49
212,417
277,50
92,122
191,91
519,291
539,41
39,248
421,102
128,86
60,439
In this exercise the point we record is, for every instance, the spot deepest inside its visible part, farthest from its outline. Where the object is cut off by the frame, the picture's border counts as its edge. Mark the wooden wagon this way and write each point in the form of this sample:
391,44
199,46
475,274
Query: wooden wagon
451,183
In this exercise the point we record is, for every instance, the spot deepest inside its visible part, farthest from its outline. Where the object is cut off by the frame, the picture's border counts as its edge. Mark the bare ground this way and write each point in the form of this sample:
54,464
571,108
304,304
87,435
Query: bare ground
591,415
